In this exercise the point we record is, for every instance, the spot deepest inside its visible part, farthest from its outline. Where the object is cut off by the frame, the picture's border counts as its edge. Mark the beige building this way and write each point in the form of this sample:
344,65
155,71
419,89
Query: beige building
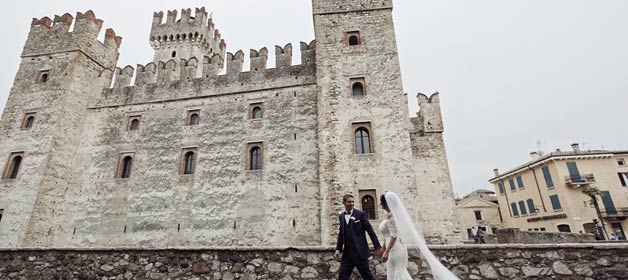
546,194
478,209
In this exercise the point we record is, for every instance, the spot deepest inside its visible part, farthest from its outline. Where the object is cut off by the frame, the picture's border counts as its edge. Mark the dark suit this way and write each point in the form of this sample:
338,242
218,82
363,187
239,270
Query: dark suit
352,243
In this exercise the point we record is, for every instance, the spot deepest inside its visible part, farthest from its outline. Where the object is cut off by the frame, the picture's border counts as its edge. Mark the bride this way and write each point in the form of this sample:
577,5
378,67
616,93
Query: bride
399,232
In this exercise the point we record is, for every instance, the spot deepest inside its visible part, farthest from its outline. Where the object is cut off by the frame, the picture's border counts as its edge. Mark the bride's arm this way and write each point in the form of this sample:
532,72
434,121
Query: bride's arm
393,238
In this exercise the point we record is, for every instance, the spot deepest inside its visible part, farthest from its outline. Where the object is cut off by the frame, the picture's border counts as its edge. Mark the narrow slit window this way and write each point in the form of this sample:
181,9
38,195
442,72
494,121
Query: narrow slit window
189,161
13,166
43,76
125,165
28,121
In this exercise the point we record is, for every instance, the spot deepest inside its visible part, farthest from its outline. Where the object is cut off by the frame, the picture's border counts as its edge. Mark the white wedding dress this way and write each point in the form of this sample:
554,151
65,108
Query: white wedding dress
408,236
397,264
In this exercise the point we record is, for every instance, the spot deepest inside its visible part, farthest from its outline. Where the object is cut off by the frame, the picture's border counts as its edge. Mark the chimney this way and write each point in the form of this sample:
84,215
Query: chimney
534,155
496,172
575,147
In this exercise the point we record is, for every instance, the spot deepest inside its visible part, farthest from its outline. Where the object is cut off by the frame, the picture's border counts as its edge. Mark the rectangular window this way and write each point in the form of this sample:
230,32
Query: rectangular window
514,209
608,203
520,182
623,179
478,215
500,185
548,177
555,202
621,162
522,208
511,182
531,206
543,229
1,213
574,173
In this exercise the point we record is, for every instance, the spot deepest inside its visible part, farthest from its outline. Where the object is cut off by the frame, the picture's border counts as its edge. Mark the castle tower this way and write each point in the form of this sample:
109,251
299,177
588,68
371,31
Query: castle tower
59,74
364,124
186,37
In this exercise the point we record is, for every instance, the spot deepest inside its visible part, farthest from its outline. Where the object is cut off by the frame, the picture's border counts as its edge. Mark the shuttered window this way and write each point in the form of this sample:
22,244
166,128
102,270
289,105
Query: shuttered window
555,202
514,209
548,177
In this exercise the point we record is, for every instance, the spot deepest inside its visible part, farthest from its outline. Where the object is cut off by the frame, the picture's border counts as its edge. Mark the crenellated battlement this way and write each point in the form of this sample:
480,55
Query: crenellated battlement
429,118
198,30
163,74
54,36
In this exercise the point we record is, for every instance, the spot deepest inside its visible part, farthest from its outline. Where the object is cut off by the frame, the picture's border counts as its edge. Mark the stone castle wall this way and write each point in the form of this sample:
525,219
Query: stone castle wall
568,261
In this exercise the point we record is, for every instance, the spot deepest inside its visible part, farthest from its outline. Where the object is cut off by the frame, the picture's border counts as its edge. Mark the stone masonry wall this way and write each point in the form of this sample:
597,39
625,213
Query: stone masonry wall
568,261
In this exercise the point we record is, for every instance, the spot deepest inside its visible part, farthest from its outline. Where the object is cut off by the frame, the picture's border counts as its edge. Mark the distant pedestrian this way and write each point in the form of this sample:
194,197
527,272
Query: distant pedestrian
620,236
482,236
613,237
474,235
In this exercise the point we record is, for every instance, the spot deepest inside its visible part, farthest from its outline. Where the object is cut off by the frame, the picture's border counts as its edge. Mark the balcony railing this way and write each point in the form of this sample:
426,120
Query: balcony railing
615,213
576,181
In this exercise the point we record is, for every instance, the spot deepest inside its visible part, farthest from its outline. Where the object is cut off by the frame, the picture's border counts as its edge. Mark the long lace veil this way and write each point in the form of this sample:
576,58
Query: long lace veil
412,237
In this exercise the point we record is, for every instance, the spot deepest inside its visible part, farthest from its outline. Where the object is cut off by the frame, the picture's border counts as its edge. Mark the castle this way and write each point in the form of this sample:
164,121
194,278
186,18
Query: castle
192,150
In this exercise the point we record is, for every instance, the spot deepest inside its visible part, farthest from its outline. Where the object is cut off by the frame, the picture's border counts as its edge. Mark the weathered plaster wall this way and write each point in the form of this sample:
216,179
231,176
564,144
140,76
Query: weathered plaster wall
569,261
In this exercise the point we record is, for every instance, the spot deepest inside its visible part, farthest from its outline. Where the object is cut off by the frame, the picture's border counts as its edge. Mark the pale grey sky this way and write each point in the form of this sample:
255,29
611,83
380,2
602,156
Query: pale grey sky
510,73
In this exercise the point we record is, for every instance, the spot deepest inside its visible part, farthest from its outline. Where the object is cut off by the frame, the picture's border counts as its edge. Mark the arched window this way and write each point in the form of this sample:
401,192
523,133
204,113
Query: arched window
368,206
44,77
15,167
522,208
174,54
135,124
255,155
357,89
29,122
256,113
189,163
362,141
563,228
193,119
354,40
127,162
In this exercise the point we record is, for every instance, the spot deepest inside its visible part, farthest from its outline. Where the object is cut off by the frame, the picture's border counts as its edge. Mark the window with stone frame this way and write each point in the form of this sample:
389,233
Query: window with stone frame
1,213
124,168
358,87
256,111
369,203
193,117
13,165
353,38
255,156
189,158
28,121
478,215
43,76
362,138
134,122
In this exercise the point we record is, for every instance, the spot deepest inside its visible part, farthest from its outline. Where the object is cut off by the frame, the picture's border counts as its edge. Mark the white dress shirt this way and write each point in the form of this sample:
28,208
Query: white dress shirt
348,216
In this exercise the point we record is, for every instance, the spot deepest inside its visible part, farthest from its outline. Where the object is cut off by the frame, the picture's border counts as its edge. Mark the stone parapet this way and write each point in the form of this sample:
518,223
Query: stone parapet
514,261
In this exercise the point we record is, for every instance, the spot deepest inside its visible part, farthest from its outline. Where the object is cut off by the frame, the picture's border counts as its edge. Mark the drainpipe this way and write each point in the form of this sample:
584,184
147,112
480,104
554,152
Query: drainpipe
538,188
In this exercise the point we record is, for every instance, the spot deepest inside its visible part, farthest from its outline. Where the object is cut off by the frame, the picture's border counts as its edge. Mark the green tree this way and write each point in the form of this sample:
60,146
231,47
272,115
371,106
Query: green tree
593,192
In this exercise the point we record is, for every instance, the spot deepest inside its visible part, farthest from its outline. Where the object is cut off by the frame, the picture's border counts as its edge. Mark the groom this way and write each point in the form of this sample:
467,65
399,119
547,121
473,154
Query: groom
352,248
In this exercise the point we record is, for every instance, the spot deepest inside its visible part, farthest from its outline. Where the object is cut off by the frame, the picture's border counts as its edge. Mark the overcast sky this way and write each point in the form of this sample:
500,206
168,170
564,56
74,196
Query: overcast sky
510,73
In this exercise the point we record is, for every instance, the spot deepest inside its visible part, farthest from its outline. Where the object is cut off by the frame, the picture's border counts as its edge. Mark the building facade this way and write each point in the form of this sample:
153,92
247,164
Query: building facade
478,210
554,192
193,150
